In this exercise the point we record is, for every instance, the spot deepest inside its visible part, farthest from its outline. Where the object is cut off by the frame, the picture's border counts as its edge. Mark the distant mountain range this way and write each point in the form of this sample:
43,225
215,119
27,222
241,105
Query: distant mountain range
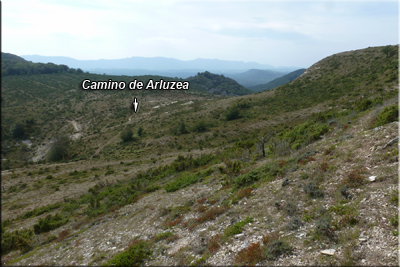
157,66
13,65
278,81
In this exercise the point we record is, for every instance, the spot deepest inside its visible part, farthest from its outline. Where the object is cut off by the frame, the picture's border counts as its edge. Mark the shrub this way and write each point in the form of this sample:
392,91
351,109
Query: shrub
134,255
200,126
232,113
250,255
71,206
162,236
19,239
304,175
394,197
60,149
355,178
213,243
313,190
233,168
275,249
388,115
152,188
140,131
210,214
62,235
324,225
346,220
285,182
247,179
49,223
294,224
17,130
241,194
237,228
126,135
290,208
344,192
268,238
109,172
364,105
340,209
181,182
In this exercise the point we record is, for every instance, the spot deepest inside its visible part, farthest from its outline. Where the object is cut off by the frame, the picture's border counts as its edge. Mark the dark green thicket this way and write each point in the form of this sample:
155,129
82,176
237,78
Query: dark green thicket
127,135
19,239
49,223
60,149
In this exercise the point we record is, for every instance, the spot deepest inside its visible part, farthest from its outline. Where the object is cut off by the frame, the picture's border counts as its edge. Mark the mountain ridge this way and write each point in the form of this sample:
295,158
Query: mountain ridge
153,63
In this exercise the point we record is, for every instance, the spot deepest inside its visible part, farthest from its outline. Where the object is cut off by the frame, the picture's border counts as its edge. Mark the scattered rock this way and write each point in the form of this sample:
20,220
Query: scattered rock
239,235
329,252
372,178
396,139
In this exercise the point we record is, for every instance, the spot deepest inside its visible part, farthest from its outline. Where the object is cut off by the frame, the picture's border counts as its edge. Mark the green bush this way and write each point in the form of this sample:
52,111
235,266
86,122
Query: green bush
134,255
126,135
313,190
17,130
49,223
290,208
237,228
275,249
294,223
152,188
200,126
389,114
181,182
324,226
140,131
60,149
364,105
247,179
232,113
305,133
71,206
162,236
19,239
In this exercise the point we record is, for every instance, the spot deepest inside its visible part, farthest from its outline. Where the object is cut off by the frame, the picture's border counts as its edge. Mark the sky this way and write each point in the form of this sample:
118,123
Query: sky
278,33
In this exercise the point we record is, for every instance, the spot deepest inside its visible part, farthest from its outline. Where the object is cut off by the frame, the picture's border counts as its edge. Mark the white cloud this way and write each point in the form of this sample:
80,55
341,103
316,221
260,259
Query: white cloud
273,32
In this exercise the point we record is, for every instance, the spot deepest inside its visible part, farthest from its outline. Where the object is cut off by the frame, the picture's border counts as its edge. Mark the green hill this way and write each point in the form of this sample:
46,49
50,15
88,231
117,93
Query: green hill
278,81
217,84
293,176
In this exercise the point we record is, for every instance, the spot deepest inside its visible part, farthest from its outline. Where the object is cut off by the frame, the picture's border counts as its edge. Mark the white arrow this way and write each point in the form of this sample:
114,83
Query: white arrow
135,104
